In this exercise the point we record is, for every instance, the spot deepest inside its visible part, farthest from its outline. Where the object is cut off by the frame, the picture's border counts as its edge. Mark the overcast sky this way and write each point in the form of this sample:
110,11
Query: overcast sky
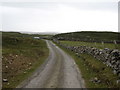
59,15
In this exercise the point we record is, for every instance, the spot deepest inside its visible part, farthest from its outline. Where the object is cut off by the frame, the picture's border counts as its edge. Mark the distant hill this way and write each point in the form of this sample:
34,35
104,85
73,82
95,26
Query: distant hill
89,36
13,34
22,35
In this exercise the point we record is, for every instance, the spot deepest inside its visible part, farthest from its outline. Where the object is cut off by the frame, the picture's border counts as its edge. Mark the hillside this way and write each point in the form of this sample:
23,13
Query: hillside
89,36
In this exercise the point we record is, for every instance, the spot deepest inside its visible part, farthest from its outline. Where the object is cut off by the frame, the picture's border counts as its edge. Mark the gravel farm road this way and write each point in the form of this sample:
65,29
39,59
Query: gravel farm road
58,71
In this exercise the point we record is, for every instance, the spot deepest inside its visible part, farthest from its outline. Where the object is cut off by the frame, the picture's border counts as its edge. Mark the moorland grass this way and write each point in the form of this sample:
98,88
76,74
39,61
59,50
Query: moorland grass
90,44
89,36
21,57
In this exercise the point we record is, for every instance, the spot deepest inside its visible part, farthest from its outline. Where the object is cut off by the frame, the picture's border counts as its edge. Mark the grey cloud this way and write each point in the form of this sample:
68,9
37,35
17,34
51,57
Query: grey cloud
79,5
111,6
49,19
119,16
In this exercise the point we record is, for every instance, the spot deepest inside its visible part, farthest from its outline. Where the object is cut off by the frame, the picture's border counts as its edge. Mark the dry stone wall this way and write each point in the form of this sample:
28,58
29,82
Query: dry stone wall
109,57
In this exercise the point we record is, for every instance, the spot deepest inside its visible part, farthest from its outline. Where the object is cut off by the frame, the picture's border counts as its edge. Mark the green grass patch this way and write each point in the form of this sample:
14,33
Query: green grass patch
90,44
92,68
21,57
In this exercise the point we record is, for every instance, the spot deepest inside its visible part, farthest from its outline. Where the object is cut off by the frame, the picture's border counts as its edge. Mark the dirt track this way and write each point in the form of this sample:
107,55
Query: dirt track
59,71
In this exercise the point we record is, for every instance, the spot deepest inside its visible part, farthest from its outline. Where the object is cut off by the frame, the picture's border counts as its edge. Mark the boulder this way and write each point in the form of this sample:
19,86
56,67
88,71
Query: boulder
5,80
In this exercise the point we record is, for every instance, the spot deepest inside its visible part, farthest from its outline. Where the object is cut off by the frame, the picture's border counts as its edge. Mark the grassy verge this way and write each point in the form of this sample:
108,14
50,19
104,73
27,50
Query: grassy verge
21,57
90,44
94,72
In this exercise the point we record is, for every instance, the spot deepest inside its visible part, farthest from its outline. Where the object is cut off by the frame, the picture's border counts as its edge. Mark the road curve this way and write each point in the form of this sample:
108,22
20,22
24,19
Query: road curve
58,71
